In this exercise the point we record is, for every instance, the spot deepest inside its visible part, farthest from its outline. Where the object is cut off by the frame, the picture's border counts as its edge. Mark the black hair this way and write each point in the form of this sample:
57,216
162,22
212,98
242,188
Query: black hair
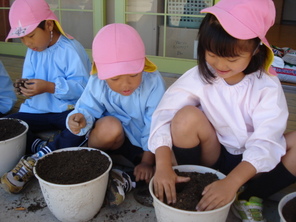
213,38
42,25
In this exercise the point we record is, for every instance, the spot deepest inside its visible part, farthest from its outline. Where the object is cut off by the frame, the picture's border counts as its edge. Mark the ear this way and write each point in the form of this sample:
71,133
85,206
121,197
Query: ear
49,25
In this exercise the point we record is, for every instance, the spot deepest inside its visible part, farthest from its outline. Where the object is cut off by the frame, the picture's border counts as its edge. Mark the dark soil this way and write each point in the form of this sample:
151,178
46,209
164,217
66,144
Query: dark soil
72,167
289,210
10,128
189,194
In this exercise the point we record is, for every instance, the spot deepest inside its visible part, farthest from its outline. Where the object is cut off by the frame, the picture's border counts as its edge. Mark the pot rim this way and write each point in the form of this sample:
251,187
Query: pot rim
76,184
13,138
285,199
189,168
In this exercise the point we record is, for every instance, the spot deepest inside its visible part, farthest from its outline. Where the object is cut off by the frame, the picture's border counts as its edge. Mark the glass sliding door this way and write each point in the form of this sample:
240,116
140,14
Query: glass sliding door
80,18
169,29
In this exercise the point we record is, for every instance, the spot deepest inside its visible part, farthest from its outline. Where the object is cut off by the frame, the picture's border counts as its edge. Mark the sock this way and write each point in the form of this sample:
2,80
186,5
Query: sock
44,150
187,155
268,183
37,145
133,179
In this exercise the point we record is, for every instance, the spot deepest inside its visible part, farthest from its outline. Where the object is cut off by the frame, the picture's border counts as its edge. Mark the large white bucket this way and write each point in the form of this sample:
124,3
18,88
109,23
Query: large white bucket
12,150
166,213
282,203
75,202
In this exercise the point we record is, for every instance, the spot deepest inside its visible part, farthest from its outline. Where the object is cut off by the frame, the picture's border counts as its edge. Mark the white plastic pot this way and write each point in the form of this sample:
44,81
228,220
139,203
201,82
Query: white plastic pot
75,202
282,203
12,150
166,213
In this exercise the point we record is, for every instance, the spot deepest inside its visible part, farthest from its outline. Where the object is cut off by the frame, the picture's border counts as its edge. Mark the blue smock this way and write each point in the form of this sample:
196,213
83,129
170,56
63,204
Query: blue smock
7,94
66,64
134,111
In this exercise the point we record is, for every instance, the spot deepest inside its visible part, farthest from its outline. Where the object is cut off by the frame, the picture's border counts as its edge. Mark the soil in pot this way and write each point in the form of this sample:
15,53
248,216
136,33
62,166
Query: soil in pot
10,128
189,193
72,167
289,210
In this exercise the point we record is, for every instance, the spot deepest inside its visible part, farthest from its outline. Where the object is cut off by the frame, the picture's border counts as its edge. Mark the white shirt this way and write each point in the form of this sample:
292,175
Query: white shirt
249,117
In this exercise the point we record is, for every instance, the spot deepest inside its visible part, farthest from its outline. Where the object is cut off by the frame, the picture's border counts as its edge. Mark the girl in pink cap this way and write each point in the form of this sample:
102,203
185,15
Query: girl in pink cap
116,107
229,113
55,73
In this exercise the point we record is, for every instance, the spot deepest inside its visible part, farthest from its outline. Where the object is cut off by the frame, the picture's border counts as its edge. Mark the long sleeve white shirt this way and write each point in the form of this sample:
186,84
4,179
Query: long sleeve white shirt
249,117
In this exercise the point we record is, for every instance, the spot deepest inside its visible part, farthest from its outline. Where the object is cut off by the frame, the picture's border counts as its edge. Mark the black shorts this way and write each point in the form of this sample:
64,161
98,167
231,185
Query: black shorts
129,151
226,161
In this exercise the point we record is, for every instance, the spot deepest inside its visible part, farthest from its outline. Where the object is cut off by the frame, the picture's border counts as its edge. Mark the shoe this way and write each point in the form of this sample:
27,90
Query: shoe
119,184
249,211
15,180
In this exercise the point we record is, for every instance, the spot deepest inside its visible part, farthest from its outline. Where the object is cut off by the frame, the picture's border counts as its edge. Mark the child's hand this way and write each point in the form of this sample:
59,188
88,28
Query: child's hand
76,122
18,84
34,87
164,181
216,195
144,171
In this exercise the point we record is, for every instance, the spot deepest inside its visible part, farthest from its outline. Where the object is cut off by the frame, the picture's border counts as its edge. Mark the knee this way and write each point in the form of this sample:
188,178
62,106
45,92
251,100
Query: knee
109,126
186,118
291,140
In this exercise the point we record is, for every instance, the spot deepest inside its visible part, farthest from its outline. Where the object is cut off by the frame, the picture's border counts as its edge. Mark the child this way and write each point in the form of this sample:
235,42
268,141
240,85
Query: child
117,105
7,95
55,73
229,113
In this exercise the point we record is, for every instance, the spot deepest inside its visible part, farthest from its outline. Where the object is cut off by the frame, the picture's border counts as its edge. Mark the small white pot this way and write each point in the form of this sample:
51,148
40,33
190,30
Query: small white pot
282,203
166,213
12,150
75,202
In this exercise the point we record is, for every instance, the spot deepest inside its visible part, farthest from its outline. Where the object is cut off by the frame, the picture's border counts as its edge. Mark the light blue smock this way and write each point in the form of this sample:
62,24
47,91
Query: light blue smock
134,111
66,64
7,94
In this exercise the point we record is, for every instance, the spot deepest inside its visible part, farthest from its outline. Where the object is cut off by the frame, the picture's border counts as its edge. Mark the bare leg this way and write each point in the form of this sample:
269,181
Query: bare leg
290,157
107,134
190,127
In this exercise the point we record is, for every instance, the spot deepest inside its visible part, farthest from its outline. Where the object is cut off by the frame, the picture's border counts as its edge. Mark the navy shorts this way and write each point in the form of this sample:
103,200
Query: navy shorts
226,161
129,151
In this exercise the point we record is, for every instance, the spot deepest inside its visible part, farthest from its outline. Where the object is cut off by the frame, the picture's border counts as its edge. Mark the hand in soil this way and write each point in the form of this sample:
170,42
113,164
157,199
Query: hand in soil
164,183
190,193
217,194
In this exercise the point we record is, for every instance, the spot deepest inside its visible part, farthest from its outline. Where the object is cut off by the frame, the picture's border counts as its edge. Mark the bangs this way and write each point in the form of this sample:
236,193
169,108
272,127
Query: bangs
215,39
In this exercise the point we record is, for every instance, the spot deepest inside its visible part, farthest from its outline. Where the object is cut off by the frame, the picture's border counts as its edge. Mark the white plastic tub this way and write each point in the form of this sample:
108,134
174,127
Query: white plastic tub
75,202
166,213
12,150
282,203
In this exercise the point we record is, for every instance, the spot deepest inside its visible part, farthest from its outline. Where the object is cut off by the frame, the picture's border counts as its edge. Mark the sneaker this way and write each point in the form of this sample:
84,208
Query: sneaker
15,180
119,184
249,211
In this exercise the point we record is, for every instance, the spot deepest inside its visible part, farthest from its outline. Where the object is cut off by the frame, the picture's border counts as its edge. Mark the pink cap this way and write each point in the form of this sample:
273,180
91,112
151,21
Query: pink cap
246,19
26,15
118,49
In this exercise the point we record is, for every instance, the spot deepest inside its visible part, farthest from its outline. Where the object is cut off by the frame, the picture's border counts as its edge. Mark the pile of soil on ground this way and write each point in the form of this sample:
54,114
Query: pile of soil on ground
72,167
10,128
289,210
189,193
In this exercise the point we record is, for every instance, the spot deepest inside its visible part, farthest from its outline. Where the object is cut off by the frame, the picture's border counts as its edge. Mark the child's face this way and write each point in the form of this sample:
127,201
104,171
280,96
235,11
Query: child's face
125,84
37,40
229,68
